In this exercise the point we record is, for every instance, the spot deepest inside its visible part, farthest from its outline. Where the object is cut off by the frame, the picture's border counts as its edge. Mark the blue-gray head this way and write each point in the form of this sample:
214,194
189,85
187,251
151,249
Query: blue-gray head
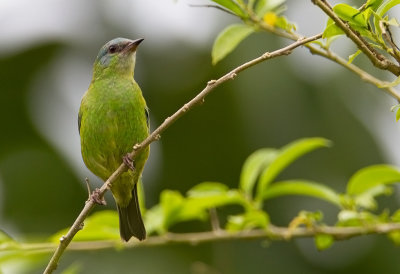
117,55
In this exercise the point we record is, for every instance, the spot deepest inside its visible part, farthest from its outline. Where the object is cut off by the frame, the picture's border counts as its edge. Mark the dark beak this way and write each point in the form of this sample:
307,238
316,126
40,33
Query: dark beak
132,46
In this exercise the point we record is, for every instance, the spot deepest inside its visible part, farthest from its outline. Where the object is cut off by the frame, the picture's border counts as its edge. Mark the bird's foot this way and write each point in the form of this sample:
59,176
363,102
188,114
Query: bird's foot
127,159
95,197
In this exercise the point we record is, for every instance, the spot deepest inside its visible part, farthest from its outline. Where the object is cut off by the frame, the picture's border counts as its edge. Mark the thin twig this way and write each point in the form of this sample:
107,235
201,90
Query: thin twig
156,135
212,6
375,57
365,76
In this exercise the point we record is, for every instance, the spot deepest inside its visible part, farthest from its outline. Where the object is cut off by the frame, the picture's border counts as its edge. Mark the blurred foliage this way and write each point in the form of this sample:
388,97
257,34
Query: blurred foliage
29,166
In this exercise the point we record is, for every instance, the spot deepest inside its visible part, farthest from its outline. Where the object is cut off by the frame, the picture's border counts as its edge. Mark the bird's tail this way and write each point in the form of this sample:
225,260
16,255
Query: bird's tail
130,219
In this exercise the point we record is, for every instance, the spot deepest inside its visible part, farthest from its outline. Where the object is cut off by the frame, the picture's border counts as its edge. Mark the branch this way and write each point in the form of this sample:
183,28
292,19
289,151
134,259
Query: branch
272,233
326,53
375,57
365,76
156,135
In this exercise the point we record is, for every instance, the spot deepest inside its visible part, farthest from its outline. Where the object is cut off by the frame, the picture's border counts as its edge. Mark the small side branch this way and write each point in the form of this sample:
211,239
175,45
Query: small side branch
374,56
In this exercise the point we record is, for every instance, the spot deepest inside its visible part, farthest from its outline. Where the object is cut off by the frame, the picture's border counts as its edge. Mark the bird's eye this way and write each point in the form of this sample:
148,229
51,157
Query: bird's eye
112,49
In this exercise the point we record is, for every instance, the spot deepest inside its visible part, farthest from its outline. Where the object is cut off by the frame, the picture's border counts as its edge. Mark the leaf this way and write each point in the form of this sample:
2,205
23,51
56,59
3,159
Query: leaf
380,12
154,220
351,15
228,40
102,225
397,114
286,156
394,236
386,6
249,220
207,189
210,195
174,209
357,20
253,166
367,198
331,29
283,23
323,241
353,56
355,218
391,84
396,216
372,176
232,6
302,187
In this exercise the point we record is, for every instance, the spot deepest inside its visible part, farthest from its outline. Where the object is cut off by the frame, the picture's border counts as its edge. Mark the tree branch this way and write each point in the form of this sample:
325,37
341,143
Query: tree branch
156,135
326,53
374,56
272,232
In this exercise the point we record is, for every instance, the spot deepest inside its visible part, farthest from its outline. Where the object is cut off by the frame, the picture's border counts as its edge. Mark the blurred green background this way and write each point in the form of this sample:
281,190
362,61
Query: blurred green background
46,52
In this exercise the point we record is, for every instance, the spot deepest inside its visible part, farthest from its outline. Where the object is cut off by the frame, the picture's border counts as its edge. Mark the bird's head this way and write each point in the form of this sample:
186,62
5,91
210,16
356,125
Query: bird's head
116,56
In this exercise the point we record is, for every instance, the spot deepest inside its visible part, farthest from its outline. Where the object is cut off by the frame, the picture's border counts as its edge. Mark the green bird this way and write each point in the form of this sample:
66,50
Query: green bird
113,117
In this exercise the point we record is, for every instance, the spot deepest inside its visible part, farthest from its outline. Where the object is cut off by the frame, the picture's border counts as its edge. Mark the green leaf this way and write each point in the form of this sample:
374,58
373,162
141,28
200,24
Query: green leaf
286,156
253,166
351,15
380,12
207,189
102,225
353,56
397,114
248,220
210,195
154,220
396,216
302,187
386,6
175,209
367,198
357,20
355,218
283,23
228,40
394,236
372,176
331,29
323,241
232,6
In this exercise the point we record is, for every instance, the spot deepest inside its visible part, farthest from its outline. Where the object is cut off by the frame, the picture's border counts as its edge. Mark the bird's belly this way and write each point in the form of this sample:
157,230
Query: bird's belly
106,141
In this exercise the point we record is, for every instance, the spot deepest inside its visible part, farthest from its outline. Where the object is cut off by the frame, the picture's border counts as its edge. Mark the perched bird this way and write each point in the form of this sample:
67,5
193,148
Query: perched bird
113,117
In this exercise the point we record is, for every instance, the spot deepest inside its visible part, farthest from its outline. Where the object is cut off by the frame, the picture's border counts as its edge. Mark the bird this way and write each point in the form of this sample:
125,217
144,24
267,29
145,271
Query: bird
113,117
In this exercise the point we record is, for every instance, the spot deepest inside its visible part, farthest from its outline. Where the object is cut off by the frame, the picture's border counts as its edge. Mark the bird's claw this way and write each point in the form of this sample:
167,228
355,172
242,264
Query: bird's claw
127,159
95,197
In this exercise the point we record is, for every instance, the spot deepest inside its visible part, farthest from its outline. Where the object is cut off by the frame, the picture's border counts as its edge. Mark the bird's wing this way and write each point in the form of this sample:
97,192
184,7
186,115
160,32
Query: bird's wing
146,112
79,121
80,113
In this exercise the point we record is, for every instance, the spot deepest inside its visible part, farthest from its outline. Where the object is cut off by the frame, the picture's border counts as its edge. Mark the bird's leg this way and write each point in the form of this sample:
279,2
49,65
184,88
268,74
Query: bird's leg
128,161
95,197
